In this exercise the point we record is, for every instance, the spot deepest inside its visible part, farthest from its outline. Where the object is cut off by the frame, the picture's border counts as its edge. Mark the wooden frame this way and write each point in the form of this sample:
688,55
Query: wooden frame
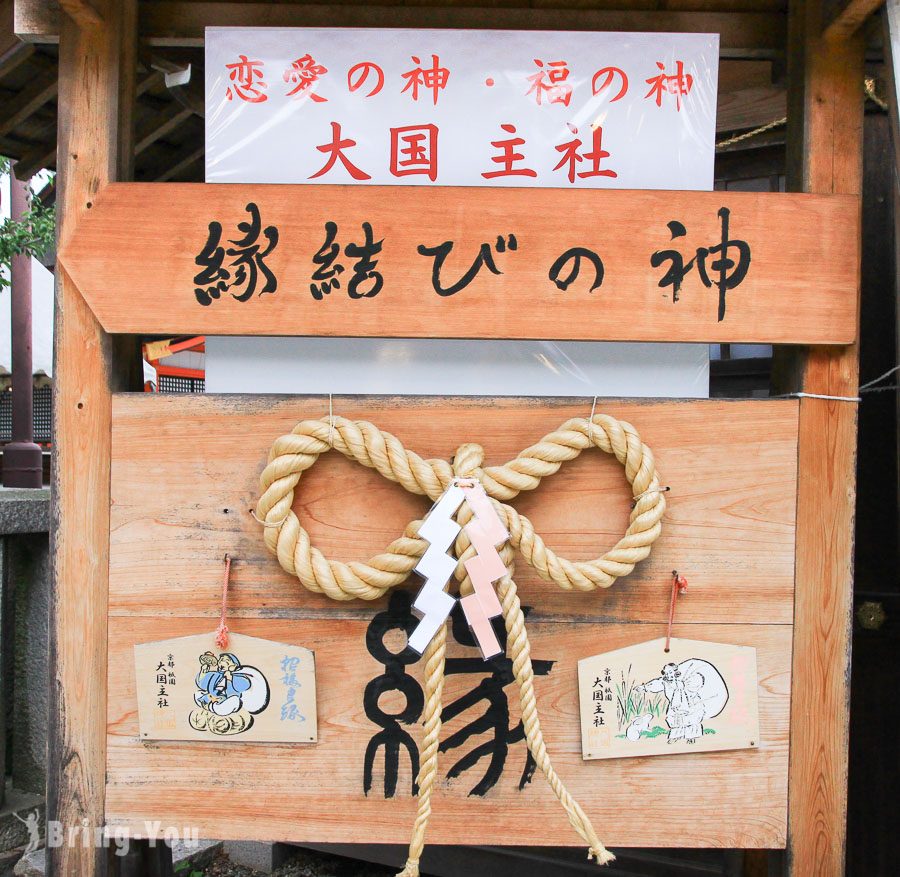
181,23
97,66
825,143
96,81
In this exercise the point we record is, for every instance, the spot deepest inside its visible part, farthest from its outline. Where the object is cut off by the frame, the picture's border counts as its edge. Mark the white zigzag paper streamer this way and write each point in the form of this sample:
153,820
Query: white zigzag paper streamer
485,531
433,603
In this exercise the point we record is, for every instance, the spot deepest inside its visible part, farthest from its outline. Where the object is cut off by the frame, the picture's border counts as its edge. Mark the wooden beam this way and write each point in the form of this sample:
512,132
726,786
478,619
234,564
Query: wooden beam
14,55
849,17
28,101
8,38
37,158
181,23
159,125
750,107
148,80
82,12
97,67
159,232
12,50
44,155
826,156
173,167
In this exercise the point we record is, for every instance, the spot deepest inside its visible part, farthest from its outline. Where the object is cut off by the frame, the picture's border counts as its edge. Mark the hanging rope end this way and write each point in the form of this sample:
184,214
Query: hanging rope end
600,855
411,869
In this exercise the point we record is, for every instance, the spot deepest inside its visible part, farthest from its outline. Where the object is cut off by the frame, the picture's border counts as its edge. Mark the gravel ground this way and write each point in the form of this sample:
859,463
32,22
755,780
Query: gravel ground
303,864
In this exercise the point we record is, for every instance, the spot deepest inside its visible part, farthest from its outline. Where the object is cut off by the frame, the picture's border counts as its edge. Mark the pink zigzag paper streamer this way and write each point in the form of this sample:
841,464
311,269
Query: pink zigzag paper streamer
485,532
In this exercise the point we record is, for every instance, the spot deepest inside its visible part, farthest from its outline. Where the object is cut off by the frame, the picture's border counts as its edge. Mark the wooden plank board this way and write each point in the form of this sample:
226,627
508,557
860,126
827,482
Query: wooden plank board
155,241
181,23
96,96
827,110
185,474
724,799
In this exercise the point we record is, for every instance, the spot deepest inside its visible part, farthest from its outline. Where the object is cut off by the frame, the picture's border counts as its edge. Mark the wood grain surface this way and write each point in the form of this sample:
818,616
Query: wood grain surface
315,794
184,477
186,469
134,258
96,96
827,110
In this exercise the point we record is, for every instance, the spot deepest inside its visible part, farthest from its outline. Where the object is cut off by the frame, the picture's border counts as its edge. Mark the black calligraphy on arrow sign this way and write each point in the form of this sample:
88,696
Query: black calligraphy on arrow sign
725,272
247,261
571,260
365,281
484,259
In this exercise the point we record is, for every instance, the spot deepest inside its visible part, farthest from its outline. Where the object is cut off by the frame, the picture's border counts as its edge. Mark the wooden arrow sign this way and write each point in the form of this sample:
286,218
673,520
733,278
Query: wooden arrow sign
469,263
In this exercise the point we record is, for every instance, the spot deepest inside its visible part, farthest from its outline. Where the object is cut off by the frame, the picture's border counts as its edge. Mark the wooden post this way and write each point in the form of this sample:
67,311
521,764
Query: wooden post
825,141
96,72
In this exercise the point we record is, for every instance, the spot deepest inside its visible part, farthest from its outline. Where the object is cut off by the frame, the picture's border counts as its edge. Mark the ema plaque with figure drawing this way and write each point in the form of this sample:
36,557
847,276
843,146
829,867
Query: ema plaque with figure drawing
255,690
646,700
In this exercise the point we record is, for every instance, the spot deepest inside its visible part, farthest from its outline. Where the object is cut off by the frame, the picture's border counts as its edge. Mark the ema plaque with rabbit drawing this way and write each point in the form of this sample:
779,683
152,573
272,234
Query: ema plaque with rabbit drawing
644,700
254,690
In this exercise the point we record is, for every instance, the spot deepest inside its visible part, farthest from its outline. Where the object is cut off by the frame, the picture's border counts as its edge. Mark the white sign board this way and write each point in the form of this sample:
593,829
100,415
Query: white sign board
279,103
461,108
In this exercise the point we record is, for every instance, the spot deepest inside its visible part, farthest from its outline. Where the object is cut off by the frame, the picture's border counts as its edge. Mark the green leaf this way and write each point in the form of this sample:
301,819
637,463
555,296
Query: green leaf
33,234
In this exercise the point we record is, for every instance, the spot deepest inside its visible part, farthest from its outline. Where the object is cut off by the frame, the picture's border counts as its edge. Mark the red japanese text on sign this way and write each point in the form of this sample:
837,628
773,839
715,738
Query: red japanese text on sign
414,150
247,83
303,74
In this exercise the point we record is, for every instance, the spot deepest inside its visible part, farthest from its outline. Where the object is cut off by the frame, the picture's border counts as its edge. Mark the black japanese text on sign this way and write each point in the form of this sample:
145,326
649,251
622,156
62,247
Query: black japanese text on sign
239,267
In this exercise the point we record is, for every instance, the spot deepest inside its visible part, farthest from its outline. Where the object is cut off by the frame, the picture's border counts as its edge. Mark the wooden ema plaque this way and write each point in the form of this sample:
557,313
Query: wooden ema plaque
189,688
645,700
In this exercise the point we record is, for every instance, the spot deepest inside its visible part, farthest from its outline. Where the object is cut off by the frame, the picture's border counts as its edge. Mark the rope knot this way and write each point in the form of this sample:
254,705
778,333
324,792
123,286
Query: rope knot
467,461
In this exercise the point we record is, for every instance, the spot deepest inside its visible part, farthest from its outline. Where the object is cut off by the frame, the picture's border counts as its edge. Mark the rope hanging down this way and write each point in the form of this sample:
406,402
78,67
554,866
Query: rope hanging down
364,443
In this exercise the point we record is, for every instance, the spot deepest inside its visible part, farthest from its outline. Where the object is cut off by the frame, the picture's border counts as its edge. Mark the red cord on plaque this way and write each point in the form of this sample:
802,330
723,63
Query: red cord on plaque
222,629
679,586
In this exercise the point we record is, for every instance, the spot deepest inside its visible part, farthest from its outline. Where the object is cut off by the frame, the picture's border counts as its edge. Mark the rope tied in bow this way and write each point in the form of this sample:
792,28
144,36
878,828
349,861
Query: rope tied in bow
363,442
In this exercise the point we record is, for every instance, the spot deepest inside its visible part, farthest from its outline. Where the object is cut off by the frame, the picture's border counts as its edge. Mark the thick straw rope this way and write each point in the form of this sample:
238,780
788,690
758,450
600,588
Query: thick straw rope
292,454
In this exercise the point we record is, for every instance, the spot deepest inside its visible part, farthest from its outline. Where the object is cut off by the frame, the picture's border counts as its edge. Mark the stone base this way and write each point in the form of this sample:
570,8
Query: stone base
33,864
265,857
184,856
20,809
24,510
